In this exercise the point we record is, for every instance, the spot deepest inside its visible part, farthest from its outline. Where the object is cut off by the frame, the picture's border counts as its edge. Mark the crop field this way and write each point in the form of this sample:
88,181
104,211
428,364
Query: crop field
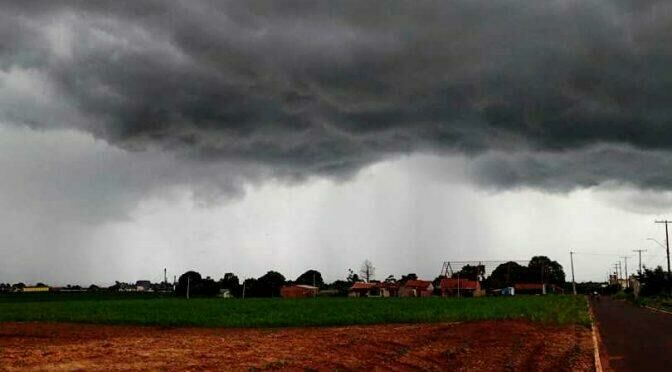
275,312
47,331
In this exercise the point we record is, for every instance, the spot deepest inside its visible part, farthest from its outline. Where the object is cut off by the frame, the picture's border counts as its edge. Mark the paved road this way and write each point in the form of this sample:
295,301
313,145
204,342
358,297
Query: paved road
635,339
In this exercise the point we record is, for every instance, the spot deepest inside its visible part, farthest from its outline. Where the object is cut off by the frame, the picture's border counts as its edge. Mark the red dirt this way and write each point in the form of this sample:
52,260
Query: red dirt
483,346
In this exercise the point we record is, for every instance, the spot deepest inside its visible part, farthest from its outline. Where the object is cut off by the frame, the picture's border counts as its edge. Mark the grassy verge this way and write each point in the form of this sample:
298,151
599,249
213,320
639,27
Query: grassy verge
662,303
213,312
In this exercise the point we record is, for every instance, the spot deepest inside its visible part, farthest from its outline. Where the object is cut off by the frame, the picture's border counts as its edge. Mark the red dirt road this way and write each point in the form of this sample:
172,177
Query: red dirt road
483,346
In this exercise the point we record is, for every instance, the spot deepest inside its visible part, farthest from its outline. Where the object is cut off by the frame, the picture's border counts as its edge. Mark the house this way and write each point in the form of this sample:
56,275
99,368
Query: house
461,287
537,288
35,289
362,289
298,291
389,289
143,286
417,288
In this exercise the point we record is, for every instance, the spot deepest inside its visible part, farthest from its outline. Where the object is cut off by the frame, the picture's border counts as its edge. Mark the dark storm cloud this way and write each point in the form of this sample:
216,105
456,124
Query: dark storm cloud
327,87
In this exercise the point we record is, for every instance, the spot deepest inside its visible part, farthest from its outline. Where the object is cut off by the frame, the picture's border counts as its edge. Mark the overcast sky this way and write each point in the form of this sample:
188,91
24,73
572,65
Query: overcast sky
288,135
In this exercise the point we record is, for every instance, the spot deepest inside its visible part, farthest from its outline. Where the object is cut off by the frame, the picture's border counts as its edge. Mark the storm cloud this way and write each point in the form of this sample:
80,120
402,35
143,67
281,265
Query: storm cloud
549,94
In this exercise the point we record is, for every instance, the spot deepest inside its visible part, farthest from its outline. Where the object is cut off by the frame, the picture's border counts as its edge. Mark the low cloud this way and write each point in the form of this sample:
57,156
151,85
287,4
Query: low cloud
552,95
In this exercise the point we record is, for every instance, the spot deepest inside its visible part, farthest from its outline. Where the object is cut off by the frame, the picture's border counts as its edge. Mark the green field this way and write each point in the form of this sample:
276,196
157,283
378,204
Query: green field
216,312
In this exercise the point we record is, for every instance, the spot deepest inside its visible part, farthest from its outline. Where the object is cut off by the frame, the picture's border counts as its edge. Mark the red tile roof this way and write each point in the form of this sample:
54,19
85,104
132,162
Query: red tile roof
363,285
420,284
450,283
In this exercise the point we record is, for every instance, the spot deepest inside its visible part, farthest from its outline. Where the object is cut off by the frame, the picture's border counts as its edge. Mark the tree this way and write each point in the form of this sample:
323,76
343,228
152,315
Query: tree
542,269
310,277
208,287
507,274
232,283
341,286
390,279
469,272
352,277
655,282
407,277
367,270
189,279
267,285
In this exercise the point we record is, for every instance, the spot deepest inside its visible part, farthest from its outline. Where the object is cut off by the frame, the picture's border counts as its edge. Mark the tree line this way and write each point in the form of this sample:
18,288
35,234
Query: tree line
540,269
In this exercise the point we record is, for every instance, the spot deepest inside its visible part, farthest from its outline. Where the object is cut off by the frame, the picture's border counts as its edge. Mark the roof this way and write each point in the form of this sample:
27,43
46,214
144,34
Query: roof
363,285
451,283
418,284
304,286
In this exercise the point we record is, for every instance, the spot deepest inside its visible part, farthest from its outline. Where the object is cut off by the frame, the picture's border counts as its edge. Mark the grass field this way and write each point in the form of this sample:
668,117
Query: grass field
215,312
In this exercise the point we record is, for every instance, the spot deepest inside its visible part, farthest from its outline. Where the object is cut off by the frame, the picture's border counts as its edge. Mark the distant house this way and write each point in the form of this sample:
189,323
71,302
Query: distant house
143,286
298,291
362,289
461,287
417,288
537,288
35,289
388,289
374,289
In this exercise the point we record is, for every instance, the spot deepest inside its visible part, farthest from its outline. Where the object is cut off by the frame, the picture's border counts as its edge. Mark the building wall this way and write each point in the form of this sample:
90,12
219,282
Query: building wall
35,289
296,292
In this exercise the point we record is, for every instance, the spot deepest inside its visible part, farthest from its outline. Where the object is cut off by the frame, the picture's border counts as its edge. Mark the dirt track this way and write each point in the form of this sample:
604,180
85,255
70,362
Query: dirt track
484,346
633,338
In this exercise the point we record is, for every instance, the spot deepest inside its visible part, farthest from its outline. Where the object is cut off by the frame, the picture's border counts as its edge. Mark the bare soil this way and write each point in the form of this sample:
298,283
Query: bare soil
483,346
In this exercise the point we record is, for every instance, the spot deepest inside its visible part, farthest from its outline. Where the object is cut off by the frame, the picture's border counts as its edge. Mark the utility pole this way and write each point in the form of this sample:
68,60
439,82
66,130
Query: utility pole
188,284
571,259
620,270
165,276
243,287
627,281
640,258
667,243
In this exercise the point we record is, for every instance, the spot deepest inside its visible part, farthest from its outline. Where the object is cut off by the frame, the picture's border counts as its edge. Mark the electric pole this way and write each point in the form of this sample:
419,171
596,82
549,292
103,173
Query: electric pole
667,243
571,259
188,284
640,258
627,281
620,270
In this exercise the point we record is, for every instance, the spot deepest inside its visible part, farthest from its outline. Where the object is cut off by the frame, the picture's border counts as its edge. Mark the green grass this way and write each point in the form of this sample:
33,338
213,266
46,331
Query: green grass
215,312
662,303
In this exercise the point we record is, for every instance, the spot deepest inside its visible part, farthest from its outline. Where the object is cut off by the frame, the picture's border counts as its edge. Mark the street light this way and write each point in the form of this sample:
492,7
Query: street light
659,243
666,248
